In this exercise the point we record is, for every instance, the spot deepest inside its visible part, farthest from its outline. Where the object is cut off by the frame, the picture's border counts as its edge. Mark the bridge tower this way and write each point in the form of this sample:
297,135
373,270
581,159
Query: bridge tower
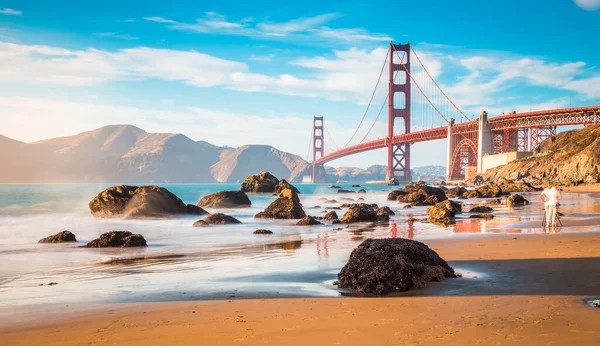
318,144
398,108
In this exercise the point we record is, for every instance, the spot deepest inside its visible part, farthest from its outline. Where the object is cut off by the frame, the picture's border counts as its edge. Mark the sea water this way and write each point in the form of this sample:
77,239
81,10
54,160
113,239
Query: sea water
183,262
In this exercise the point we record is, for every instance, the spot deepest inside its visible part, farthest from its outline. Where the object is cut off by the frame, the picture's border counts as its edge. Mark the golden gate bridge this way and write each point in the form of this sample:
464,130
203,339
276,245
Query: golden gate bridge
418,110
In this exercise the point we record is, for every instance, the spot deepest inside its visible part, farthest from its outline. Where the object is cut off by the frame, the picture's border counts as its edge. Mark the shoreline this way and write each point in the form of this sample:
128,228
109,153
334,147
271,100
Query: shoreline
516,288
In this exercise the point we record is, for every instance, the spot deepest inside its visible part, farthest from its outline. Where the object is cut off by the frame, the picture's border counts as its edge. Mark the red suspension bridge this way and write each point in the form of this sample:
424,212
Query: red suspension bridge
418,110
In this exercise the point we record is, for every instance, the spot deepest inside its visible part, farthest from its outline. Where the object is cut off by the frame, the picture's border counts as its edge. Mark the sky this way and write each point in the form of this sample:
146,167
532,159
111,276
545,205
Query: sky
235,73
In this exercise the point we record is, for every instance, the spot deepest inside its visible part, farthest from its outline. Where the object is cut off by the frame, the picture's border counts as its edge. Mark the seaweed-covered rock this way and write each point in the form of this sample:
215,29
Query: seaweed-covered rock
287,206
456,192
262,231
221,219
140,202
60,237
360,212
331,216
481,209
308,221
514,200
381,266
118,239
260,183
418,194
225,199
443,212
283,184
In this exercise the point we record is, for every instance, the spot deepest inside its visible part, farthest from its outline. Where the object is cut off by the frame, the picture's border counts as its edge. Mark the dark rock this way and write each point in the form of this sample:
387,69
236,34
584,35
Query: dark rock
481,209
345,191
225,199
489,191
262,231
456,192
355,185
317,207
509,186
381,266
443,212
221,219
385,209
360,212
360,199
283,184
481,216
408,206
362,191
140,202
308,221
331,216
383,213
514,200
330,201
495,201
418,194
260,183
201,223
287,206
393,181
60,237
335,187
117,239
333,208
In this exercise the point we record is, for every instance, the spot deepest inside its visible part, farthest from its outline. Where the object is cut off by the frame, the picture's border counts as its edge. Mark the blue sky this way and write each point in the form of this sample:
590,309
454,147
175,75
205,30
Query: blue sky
241,73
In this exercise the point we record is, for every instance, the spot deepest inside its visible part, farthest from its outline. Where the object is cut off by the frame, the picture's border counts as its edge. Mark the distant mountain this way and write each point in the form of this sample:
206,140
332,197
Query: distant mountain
429,173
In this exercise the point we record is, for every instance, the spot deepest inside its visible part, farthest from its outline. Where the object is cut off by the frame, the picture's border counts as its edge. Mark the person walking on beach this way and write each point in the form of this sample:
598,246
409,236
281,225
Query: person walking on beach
550,196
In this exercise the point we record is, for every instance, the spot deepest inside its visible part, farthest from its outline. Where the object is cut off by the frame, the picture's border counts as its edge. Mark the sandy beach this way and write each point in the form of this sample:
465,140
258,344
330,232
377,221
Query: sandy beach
515,289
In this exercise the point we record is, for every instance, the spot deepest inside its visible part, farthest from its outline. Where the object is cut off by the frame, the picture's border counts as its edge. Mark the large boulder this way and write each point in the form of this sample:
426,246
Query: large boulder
308,221
220,219
456,192
60,237
331,216
418,194
360,212
225,199
262,182
287,206
509,186
118,239
443,212
514,200
489,191
283,184
140,202
481,209
381,266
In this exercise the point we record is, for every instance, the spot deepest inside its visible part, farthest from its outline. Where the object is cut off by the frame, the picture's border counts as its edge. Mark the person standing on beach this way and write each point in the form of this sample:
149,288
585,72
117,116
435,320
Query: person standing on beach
551,196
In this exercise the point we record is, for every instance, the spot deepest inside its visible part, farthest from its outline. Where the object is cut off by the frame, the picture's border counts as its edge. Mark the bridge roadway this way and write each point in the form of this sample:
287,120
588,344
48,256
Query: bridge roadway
554,117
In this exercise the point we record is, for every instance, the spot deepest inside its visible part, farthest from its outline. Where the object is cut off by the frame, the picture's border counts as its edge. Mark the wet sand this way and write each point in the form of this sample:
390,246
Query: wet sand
515,289
594,188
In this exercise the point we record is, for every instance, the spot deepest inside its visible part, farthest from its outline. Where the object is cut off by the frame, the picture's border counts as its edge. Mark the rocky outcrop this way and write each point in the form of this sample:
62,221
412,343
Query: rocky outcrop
283,184
443,212
331,216
456,192
481,209
262,231
515,200
418,194
225,199
345,191
308,221
263,182
381,266
362,191
117,239
287,206
221,219
486,191
569,158
509,186
201,223
385,210
360,212
140,202
60,237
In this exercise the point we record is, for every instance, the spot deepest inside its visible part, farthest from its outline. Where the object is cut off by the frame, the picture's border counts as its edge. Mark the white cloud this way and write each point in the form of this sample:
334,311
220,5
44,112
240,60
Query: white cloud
118,36
307,29
589,5
262,58
10,12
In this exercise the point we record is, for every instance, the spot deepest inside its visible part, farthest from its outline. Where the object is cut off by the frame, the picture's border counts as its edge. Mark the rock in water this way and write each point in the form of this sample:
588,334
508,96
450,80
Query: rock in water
261,182
118,239
262,231
509,186
481,209
283,184
139,202
60,237
362,191
360,212
201,223
225,199
381,266
443,212
514,200
331,216
481,216
308,221
287,206
418,194
456,192
221,219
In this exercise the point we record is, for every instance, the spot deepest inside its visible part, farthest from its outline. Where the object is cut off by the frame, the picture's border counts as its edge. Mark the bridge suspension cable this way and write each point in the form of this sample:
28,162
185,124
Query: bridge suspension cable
330,136
371,100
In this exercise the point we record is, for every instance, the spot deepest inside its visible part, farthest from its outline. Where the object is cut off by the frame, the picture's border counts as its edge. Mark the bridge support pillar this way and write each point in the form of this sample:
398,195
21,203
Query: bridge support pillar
318,147
485,142
450,150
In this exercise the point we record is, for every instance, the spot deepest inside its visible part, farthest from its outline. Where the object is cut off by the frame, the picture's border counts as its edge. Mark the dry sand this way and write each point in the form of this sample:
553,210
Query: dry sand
516,289
583,188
